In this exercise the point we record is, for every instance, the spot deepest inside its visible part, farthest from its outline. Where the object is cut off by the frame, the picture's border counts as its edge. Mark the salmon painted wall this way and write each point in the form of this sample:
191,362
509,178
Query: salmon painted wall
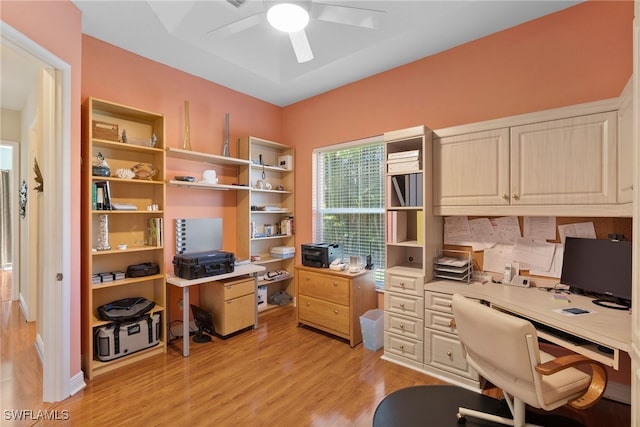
580,54
113,74
57,27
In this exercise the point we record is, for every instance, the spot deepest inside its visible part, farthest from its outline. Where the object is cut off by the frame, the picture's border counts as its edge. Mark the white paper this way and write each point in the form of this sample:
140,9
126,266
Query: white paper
497,257
585,230
482,234
556,265
540,227
536,253
457,231
507,228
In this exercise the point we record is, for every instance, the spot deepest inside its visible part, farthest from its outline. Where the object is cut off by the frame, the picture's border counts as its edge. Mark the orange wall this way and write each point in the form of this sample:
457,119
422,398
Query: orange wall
114,74
57,27
580,54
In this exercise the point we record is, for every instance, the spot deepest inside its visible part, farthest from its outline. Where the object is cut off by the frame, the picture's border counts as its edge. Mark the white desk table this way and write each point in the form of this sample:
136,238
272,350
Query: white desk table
607,331
239,270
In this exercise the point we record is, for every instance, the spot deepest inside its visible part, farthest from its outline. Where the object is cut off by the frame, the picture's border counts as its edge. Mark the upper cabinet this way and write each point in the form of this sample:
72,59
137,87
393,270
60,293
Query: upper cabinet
535,165
625,146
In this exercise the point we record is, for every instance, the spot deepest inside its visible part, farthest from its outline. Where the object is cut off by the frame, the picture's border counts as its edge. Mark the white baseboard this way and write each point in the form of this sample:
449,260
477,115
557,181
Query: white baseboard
618,392
76,383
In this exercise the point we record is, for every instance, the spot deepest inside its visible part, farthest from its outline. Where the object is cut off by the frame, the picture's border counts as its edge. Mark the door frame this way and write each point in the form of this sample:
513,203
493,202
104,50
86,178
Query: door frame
54,344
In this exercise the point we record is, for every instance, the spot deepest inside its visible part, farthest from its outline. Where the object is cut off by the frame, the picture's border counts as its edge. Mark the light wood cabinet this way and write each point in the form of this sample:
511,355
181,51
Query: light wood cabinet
333,301
127,230
443,353
412,240
567,161
472,169
625,146
232,303
266,213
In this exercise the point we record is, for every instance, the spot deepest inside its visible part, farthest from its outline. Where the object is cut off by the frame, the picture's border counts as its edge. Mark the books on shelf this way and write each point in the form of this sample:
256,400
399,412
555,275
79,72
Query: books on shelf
408,189
396,226
155,232
403,161
101,196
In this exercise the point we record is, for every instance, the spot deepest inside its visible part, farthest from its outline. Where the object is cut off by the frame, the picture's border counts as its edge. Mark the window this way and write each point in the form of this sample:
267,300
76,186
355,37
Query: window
348,199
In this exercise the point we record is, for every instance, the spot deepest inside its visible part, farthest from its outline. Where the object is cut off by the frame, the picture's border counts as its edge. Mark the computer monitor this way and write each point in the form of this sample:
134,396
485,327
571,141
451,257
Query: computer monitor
599,268
204,322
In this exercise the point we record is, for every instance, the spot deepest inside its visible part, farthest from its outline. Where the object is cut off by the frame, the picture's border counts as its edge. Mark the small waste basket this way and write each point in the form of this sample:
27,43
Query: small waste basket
372,325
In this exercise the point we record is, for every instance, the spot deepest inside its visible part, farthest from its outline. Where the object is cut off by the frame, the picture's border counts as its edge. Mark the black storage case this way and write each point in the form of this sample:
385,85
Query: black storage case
203,264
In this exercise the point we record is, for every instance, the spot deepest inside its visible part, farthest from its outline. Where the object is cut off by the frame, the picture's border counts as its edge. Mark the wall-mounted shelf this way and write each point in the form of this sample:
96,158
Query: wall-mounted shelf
205,185
179,153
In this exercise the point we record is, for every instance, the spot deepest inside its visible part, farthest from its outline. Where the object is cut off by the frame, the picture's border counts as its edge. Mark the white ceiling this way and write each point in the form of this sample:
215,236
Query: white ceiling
260,62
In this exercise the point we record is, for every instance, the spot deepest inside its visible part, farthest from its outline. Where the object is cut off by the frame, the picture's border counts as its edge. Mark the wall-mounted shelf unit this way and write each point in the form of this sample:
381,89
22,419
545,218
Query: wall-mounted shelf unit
269,202
103,124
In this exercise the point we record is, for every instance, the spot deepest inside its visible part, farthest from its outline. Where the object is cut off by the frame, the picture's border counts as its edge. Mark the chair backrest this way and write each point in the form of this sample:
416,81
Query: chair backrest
496,346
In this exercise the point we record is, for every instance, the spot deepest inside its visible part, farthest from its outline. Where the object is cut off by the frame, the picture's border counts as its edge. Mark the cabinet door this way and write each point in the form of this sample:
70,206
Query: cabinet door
625,149
471,169
569,161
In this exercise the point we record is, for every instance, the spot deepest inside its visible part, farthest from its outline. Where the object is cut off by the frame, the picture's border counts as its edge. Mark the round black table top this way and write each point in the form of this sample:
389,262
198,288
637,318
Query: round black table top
437,406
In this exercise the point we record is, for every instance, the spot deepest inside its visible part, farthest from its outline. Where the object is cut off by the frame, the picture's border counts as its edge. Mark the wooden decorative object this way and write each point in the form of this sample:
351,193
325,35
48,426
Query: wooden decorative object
104,130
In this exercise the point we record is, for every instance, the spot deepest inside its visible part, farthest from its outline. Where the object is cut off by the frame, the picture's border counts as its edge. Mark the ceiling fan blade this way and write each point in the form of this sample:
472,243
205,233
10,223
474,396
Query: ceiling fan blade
238,26
301,46
171,14
366,18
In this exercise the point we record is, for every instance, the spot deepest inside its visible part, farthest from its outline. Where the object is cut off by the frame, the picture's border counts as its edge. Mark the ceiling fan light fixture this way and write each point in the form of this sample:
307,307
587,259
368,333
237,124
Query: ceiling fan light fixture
288,17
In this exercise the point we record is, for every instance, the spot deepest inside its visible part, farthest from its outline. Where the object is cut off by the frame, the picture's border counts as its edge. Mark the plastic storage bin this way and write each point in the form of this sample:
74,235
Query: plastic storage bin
372,325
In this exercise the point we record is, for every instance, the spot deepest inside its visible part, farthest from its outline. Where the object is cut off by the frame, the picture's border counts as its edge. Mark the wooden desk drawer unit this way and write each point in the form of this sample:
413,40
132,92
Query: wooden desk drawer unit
333,301
232,303
443,352
404,326
330,288
406,348
404,304
332,316
404,284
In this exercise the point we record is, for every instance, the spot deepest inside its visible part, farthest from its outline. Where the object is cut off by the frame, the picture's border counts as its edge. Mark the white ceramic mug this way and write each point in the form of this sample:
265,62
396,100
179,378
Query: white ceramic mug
210,177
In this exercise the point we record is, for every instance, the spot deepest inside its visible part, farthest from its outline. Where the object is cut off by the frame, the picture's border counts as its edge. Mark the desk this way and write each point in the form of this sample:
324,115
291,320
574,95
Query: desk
178,282
603,327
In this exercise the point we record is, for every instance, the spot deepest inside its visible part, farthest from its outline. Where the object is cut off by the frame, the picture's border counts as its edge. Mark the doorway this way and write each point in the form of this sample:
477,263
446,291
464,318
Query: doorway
49,234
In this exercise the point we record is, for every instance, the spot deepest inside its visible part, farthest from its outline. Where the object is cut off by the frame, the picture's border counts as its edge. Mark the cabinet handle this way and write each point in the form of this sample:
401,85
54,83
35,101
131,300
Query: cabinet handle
335,311
307,278
402,347
449,353
515,196
335,284
402,285
452,323
402,306
505,196
402,326
307,304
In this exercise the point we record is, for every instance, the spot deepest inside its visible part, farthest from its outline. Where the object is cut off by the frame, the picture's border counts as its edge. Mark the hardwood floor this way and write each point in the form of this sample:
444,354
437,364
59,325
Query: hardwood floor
277,375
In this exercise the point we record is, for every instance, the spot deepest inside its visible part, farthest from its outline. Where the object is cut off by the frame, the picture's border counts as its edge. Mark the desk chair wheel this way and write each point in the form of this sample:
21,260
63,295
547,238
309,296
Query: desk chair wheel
461,418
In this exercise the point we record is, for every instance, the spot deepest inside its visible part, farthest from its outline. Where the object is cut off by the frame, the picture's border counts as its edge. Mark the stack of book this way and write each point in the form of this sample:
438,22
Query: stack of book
101,196
403,161
408,189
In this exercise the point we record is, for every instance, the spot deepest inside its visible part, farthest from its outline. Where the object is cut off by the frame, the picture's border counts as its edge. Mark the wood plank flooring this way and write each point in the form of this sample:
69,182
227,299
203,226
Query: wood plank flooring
277,375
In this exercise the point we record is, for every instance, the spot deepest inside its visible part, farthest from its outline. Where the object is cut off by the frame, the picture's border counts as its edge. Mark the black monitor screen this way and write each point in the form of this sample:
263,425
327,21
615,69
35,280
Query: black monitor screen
597,266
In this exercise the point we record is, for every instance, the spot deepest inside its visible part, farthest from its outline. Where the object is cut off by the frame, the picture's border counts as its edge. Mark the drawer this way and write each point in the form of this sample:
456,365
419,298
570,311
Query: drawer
237,288
439,321
324,286
438,301
323,313
404,304
405,326
404,284
444,351
236,314
403,346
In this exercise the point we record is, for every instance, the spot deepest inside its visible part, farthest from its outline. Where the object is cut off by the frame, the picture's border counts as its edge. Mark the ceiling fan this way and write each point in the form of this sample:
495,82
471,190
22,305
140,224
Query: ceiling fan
295,15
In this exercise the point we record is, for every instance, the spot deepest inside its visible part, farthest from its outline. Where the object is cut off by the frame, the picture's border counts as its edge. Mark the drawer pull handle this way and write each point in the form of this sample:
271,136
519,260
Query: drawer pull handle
505,196
402,347
307,278
515,196
402,285
402,306
452,323
335,284
335,311
307,304
449,353
402,326
449,305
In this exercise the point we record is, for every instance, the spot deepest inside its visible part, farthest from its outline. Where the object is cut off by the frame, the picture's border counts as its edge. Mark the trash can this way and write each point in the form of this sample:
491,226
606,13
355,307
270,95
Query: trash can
372,325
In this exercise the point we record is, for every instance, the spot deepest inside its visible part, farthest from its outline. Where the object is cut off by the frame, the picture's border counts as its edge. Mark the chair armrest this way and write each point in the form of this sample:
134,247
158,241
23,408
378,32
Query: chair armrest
598,377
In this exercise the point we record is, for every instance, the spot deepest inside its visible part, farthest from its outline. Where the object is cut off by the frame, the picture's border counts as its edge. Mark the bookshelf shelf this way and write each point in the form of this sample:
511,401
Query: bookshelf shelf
126,226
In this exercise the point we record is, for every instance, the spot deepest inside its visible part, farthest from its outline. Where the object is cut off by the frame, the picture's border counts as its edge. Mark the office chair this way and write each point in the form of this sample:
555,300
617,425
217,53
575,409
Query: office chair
504,350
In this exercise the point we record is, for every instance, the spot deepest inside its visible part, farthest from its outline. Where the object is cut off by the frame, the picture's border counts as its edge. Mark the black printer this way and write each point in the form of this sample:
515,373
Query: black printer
320,254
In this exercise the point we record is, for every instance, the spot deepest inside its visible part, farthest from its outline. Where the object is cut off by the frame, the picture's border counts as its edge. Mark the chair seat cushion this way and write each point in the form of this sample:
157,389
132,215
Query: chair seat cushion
563,386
